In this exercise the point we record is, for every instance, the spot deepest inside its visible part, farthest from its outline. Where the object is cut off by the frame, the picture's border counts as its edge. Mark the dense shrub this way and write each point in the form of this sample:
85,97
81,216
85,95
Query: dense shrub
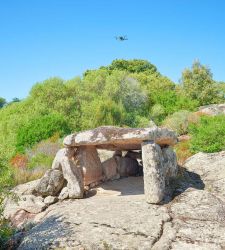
198,84
6,230
40,161
208,135
19,161
6,174
46,147
158,113
178,121
183,151
23,175
39,129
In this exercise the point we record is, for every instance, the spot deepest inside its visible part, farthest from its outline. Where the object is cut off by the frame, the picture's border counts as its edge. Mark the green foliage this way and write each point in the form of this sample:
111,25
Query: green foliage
133,66
178,121
198,84
2,102
221,90
6,231
41,161
158,113
209,135
6,174
40,128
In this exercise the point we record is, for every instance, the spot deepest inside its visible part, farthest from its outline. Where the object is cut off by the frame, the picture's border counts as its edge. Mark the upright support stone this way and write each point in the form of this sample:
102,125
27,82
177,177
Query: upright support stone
154,180
169,164
64,172
90,163
73,174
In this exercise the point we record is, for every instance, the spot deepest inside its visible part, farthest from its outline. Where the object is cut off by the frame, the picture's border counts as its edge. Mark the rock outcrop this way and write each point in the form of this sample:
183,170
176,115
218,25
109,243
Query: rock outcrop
118,218
77,168
213,109
211,168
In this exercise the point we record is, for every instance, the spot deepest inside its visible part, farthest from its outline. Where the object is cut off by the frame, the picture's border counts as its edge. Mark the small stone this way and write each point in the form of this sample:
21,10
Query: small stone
110,169
51,183
50,200
64,194
128,167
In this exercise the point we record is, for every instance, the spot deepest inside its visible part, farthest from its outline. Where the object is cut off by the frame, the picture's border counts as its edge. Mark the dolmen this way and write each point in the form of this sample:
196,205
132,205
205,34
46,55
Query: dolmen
78,167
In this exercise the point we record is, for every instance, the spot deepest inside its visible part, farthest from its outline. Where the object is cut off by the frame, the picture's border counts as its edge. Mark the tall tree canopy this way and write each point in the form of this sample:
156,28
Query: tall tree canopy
198,84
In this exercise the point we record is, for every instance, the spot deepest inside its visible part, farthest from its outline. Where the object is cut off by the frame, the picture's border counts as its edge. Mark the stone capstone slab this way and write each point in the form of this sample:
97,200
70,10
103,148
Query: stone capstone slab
116,138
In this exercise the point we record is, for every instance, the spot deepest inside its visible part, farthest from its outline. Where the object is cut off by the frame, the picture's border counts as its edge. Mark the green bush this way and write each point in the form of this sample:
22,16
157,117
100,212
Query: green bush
178,121
40,128
208,135
6,179
158,113
6,231
41,161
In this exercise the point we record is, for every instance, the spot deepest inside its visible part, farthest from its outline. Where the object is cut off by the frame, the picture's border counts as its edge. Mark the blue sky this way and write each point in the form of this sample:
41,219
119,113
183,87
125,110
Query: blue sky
44,38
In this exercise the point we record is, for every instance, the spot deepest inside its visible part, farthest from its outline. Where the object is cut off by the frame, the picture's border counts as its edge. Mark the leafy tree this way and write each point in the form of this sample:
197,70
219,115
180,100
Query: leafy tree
16,99
198,84
2,102
133,66
129,66
221,90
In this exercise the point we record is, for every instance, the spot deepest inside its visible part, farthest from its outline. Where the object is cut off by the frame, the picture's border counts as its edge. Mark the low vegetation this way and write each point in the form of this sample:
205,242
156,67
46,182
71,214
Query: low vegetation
208,135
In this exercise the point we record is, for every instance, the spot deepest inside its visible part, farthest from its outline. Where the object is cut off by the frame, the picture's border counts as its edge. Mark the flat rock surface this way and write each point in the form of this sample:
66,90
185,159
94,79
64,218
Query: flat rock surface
211,169
116,216
112,138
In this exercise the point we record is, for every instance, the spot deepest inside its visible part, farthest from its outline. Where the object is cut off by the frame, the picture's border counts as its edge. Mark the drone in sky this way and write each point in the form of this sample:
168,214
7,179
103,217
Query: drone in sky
121,38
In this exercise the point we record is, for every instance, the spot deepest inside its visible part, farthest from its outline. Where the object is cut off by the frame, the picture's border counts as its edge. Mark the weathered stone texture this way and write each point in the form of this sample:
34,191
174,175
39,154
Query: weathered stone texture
50,200
170,167
128,166
51,183
88,160
73,175
154,179
118,218
115,138
29,203
211,168
110,169
213,109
